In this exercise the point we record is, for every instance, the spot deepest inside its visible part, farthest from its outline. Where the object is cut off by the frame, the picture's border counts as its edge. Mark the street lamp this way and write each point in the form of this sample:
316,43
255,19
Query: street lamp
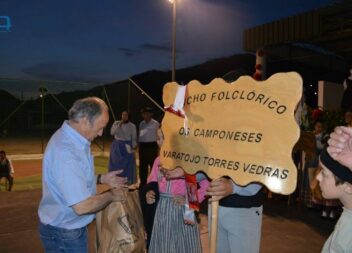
173,2
42,91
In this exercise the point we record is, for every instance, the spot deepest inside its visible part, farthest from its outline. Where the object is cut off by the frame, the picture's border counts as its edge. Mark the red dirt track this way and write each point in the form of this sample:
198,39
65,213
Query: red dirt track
25,168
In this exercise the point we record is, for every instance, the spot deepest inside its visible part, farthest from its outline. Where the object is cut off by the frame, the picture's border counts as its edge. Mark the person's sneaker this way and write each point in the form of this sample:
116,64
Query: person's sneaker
332,215
324,214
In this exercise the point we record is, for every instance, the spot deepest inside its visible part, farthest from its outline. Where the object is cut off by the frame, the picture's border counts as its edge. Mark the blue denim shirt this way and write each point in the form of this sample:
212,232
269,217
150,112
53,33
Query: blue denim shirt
68,178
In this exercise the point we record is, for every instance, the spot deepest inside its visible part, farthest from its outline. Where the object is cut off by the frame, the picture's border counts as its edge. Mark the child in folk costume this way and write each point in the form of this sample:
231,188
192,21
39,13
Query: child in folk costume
175,228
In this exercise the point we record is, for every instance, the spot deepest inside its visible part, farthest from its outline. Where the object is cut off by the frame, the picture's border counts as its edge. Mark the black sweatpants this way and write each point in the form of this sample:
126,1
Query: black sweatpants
148,151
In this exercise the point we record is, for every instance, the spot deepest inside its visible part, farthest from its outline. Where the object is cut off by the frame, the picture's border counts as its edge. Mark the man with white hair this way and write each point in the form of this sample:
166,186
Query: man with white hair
69,200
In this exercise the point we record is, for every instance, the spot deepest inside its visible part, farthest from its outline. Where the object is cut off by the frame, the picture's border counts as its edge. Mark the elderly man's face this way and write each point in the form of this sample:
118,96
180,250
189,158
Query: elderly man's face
91,131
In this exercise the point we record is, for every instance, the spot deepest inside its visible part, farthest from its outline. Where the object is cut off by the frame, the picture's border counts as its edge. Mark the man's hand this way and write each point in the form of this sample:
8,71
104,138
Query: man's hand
150,197
178,172
113,180
340,145
220,188
119,194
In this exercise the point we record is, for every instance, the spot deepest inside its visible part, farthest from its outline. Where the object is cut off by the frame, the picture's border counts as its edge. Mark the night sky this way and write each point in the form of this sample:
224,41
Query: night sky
110,40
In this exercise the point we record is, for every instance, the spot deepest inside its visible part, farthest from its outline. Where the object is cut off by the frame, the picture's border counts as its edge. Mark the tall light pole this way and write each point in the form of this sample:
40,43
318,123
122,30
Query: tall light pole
42,91
173,77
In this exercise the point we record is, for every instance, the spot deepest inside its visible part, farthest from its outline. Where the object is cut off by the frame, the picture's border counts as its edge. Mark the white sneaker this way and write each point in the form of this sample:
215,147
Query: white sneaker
324,214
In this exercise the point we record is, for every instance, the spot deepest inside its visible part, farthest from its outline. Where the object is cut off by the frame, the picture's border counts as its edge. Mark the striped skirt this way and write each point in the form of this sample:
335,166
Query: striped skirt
170,234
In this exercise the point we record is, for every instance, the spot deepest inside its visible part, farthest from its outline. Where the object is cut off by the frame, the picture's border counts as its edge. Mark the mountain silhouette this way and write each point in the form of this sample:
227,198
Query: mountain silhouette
123,95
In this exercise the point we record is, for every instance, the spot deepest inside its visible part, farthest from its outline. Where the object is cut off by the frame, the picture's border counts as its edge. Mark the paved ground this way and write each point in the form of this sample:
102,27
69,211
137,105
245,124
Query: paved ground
286,229
293,228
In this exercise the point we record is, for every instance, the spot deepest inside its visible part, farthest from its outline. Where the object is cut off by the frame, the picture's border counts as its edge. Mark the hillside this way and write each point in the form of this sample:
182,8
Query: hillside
124,95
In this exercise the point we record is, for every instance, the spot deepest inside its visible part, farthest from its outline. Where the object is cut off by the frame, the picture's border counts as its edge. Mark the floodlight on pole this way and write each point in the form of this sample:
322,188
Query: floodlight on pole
173,2
42,91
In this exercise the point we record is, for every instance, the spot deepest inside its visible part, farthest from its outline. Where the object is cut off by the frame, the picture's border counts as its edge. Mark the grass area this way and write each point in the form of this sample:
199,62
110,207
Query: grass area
101,164
35,182
27,183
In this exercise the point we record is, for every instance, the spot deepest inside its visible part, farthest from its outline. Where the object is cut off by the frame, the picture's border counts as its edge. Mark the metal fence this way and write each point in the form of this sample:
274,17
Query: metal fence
32,110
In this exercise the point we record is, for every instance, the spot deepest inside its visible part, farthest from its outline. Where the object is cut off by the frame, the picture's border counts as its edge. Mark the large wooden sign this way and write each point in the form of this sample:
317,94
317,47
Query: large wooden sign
245,130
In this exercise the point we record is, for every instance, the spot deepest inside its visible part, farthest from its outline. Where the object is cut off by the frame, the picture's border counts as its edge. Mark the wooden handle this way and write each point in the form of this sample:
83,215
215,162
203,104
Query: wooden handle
214,225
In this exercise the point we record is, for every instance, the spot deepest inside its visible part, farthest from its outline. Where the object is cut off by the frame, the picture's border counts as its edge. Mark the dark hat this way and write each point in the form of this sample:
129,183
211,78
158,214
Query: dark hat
146,109
339,170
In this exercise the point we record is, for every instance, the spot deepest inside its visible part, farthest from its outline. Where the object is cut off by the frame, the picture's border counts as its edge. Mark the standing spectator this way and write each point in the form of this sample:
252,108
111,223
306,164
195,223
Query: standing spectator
312,164
69,200
301,113
148,147
346,102
301,116
6,169
123,146
348,117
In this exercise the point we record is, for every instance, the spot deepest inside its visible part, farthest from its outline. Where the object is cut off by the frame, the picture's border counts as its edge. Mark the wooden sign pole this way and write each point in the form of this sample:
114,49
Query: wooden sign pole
214,225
